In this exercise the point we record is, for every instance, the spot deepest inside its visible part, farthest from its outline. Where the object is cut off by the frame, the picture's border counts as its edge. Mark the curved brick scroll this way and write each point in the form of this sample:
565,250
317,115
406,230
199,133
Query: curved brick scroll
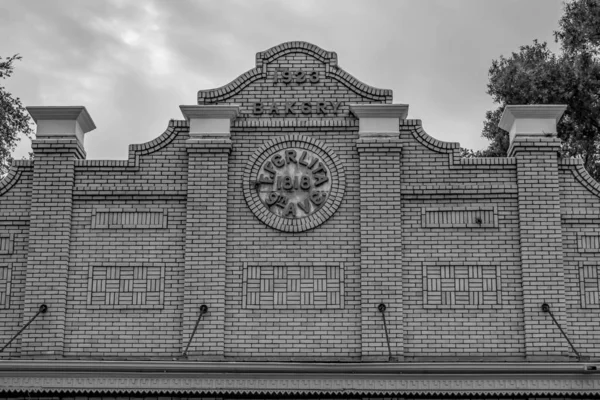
294,183
328,58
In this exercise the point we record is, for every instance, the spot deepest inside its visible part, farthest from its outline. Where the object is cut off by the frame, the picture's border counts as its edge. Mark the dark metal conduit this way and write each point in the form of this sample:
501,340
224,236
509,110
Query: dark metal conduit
42,310
203,310
382,309
546,309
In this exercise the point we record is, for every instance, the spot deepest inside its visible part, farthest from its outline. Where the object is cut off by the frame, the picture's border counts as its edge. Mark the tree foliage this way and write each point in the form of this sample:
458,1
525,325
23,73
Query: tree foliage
536,75
14,119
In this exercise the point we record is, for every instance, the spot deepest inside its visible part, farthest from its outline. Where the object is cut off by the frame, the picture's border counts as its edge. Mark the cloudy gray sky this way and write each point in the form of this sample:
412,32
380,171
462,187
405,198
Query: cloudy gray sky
132,63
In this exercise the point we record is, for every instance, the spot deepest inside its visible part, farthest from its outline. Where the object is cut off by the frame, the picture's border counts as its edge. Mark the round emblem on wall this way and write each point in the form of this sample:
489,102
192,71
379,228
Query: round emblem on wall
294,183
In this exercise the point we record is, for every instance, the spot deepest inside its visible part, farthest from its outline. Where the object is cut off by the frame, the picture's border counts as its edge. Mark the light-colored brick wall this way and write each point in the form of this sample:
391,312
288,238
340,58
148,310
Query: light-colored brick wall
305,333
451,246
15,200
432,178
580,218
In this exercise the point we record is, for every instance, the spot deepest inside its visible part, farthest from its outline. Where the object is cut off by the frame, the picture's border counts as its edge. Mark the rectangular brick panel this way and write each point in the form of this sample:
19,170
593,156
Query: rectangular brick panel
293,287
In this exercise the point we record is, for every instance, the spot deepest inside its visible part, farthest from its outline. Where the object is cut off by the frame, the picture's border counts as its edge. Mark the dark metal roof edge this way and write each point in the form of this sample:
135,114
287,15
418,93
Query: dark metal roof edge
294,368
319,392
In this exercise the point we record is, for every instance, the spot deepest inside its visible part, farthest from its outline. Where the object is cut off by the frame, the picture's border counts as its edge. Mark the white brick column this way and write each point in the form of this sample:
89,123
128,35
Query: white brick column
380,226
535,146
58,143
206,227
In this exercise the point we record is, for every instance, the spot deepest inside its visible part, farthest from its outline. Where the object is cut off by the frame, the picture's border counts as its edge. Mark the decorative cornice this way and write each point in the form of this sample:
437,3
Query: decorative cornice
63,113
212,111
531,120
379,120
210,121
444,379
513,113
332,70
398,111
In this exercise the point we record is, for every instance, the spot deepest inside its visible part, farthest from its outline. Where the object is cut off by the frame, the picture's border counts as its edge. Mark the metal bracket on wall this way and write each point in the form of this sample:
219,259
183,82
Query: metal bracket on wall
546,309
42,310
381,308
203,310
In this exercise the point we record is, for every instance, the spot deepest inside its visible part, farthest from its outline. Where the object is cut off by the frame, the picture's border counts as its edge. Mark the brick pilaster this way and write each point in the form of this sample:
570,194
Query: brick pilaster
379,149
49,238
60,134
380,247
536,149
541,245
205,246
206,228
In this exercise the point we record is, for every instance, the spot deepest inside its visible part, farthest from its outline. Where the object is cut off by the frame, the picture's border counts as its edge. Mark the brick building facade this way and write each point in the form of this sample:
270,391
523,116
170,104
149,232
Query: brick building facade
340,251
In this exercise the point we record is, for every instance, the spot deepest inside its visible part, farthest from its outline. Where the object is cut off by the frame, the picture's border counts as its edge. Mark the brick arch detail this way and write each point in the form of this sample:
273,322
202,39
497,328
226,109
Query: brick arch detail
575,165
14,175
332,70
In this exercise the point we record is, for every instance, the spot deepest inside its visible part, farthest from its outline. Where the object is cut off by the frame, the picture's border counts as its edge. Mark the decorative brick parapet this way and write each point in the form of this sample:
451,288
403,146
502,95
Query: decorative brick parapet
14,175
135,151
327,59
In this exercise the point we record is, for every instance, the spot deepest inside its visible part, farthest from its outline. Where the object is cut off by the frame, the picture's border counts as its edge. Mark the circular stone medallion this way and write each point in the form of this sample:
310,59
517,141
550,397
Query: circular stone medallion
294,183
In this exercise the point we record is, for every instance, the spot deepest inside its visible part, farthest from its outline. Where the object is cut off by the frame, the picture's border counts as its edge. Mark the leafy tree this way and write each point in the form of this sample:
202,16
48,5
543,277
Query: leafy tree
535,75
14,119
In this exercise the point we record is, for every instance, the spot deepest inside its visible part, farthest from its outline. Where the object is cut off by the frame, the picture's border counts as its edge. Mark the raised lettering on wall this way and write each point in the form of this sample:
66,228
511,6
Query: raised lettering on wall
293,287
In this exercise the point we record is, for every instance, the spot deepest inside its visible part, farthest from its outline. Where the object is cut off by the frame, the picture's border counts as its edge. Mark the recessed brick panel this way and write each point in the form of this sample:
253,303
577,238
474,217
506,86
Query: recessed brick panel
293,287
128,218
462,286
6,243
589,286
126,287
588,243
5,283
460,217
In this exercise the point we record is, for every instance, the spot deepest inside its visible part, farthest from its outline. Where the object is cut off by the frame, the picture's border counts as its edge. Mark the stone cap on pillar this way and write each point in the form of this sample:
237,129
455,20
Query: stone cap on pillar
210,121
379,119
531,120
61,121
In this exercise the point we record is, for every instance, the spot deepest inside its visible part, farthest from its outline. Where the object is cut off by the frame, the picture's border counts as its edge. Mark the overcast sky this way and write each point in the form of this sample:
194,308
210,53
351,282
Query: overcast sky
132,63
